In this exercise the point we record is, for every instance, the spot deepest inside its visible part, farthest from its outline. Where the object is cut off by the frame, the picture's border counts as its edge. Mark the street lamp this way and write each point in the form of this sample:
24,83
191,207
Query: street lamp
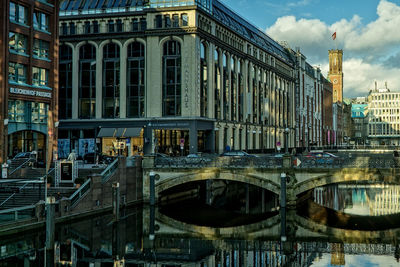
286,140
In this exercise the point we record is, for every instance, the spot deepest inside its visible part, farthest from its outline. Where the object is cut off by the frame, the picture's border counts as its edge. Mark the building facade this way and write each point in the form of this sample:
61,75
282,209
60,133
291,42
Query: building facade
327,114
28,77
384,117
152,76
359,115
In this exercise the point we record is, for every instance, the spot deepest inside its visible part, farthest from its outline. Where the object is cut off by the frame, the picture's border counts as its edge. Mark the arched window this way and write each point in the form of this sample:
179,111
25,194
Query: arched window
135,80
65,84
111,81
172,79
87,81
203,80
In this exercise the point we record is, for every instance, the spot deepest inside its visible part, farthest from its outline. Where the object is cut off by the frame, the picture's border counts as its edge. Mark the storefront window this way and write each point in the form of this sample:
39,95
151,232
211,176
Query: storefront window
172,79
136,80
39,112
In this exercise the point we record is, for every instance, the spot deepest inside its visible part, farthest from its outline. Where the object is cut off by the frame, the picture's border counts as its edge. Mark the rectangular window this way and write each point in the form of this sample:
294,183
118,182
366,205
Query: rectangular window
39,76
175,21
158,21
18,13
41,48
110,26
143,24
185,20
64,29
87,27
39,112
72,28
17,42
167,21
41,21
135,25
16,111
119,25
16,73
95,27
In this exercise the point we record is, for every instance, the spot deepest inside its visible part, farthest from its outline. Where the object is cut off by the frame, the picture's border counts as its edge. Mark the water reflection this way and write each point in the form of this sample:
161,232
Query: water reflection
209,230
366,200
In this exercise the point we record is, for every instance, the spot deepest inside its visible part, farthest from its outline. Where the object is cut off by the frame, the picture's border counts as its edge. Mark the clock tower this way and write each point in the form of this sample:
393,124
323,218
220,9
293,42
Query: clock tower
335,74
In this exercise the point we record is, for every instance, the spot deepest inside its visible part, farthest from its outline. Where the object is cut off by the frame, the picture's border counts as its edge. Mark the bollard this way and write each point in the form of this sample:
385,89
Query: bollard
115,201
50,223
283,207
152,188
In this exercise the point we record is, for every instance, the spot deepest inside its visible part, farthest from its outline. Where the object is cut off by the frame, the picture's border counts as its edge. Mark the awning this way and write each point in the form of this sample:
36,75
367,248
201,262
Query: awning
119,132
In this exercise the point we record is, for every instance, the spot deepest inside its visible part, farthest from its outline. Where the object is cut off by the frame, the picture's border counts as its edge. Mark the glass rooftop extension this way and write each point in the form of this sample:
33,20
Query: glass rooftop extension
219,11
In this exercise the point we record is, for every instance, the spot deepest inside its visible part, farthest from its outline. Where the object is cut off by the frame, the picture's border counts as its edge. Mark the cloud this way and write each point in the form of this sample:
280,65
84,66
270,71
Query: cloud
371,51
299,3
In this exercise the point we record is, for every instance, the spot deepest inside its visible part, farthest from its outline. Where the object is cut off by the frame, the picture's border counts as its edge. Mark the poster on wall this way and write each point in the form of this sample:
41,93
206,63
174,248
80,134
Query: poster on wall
86,146
63,148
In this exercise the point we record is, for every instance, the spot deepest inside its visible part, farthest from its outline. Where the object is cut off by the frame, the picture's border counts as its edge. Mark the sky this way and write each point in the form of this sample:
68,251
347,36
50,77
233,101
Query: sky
368,31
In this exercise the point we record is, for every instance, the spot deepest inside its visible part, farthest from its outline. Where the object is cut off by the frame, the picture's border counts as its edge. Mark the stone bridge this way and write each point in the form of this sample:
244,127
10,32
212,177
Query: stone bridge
266,173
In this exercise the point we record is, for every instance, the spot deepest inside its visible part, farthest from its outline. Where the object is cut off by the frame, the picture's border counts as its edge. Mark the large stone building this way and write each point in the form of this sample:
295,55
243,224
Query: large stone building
384,117
309,103
28,77
164,75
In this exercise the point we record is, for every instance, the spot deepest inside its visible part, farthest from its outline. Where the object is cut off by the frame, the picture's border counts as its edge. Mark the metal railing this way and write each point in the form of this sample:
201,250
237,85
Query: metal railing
80,193
13,194
106,174
15,214
21,166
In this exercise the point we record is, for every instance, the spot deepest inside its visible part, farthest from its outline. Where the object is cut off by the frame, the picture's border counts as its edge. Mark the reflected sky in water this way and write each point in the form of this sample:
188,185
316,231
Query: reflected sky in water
357,261
365,200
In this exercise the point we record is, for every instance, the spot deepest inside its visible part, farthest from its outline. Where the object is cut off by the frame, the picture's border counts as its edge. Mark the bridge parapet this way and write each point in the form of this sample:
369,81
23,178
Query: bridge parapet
268,162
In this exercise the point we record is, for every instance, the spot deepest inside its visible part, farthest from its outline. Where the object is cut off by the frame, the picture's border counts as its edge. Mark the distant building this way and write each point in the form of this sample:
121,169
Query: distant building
28,77
384,117
327,113
359,115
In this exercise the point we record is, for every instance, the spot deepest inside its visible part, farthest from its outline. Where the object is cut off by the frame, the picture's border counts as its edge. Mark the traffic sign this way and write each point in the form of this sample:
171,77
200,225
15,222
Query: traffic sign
182,141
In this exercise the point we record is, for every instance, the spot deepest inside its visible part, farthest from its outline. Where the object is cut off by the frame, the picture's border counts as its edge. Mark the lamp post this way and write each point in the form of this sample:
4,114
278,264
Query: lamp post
286,140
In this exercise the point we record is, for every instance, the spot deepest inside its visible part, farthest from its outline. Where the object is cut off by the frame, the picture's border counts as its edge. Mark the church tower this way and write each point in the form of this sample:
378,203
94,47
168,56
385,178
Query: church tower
335,74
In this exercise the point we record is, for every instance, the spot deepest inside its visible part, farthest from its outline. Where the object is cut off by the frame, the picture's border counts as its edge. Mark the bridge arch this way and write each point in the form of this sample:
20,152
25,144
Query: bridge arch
217,175
343,176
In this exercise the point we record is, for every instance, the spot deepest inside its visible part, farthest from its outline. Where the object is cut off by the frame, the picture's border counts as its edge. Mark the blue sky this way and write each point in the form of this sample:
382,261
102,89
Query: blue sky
367,31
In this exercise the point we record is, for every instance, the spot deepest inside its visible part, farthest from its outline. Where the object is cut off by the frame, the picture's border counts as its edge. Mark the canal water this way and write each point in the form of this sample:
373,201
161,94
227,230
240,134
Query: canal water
335,225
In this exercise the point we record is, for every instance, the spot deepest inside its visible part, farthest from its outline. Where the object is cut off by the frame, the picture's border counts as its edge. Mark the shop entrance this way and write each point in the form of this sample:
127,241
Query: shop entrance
27,141
170,142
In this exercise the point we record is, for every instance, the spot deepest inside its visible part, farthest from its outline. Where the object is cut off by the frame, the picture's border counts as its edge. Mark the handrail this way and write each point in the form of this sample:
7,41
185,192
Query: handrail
78,194
106,174
23,186
20,166
13,194
15,212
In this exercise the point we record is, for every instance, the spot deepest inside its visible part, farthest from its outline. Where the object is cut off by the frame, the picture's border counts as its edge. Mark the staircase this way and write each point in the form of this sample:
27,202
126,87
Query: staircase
31,194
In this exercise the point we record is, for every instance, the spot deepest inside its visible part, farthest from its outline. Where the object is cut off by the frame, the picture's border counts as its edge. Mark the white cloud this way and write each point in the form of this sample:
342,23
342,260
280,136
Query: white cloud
370,52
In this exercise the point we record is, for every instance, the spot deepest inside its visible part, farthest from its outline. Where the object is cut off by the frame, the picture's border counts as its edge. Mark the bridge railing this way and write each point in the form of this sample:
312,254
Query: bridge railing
218,162
266,162
347,162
